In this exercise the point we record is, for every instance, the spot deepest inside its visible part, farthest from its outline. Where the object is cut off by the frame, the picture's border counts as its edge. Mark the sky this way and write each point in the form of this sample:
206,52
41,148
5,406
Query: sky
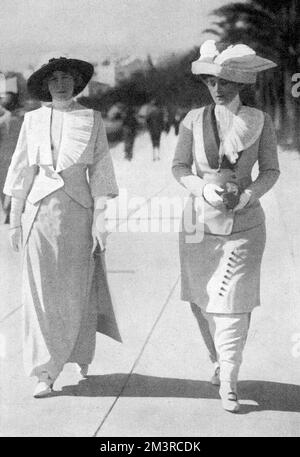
30,29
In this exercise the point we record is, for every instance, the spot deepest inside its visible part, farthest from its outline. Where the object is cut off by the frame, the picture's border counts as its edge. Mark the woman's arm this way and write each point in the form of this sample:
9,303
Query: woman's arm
267,162
182,166
101,172
17,185
20,174
102,183
183,159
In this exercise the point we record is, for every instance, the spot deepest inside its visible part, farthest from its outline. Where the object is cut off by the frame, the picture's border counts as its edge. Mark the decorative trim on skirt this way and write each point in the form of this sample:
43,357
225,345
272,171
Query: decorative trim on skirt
221,273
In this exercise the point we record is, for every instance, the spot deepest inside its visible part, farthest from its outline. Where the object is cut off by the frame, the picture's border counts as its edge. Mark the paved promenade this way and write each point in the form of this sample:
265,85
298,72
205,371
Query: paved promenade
156,382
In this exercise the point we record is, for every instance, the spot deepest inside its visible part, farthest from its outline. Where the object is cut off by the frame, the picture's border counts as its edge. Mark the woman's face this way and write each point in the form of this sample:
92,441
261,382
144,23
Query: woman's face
61,85
221,90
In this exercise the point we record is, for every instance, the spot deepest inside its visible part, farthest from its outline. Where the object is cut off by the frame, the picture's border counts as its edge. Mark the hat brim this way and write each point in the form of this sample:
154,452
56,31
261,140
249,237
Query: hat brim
37,88
223,72
243,69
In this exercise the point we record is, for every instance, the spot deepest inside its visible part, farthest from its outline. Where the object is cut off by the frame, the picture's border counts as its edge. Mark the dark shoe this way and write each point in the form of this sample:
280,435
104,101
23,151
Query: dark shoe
83,370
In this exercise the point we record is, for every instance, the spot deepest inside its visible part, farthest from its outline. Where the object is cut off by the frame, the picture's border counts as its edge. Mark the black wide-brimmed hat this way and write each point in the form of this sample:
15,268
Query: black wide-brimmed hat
38,89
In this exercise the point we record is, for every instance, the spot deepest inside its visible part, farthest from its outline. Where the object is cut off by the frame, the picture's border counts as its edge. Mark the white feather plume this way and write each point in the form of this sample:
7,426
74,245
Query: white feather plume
237,51
208,49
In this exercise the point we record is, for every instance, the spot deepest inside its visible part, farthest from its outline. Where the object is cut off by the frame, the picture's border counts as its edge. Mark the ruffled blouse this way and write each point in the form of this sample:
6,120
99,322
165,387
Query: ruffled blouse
239,127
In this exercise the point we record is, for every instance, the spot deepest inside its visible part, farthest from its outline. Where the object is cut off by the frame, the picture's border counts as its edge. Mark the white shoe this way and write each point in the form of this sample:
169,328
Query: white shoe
83,370
230,401
42,389
215,379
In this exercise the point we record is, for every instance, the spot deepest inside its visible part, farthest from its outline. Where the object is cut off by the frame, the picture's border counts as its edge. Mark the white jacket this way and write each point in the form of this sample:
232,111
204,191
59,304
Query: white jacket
84,146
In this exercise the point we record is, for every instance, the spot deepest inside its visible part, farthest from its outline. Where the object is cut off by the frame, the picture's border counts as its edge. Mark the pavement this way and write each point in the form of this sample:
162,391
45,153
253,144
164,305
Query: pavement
156,382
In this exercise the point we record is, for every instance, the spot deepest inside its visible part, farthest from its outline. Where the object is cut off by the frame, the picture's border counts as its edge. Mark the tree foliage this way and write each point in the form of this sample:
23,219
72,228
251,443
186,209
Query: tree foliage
271,27
171,83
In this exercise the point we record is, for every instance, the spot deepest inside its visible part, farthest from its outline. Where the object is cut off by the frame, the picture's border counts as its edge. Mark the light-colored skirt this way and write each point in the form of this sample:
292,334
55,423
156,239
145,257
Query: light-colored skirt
59,317
221,273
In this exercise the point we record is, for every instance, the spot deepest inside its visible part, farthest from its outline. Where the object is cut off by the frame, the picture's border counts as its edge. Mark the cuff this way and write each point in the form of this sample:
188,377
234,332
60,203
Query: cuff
17,206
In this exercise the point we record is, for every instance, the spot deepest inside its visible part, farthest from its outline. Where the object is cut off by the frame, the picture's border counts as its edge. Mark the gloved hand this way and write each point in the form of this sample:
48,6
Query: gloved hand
99,237
15,238
15,231
244,200
99,232
212,194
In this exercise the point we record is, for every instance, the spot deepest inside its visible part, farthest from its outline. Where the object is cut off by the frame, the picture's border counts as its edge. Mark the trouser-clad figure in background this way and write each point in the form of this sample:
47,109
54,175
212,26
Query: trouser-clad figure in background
155,124
130,126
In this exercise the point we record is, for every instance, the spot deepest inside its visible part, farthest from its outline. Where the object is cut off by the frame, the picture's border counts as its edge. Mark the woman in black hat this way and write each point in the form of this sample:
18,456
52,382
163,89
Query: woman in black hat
59,179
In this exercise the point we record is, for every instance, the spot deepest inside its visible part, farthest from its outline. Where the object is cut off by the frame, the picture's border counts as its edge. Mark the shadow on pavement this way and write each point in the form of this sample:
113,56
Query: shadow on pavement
271,396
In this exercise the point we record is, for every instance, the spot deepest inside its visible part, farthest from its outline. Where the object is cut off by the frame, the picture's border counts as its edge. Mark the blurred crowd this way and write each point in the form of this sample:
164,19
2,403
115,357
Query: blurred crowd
128,121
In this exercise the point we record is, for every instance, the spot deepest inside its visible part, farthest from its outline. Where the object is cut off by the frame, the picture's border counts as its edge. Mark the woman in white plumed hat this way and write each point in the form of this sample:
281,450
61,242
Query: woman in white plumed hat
223,228
57,216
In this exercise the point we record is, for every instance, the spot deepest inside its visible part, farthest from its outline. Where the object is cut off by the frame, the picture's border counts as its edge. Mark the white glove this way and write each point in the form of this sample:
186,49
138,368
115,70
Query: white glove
99,237
99,232
15,238
15,231
244,199
210,194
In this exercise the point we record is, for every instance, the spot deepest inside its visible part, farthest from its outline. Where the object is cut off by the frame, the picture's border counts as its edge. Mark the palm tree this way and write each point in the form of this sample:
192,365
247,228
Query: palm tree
271,28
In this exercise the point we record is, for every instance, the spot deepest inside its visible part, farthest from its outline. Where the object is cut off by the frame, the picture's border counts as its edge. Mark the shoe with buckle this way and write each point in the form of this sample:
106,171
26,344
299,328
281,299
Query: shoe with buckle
215,379
230,401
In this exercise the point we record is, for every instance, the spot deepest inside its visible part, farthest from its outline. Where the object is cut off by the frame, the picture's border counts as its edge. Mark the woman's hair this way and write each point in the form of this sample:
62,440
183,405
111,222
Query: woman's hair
247,91
204,78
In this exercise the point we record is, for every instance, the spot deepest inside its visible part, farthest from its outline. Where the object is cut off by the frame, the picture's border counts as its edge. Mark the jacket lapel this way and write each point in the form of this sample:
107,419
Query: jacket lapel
39,144
211,138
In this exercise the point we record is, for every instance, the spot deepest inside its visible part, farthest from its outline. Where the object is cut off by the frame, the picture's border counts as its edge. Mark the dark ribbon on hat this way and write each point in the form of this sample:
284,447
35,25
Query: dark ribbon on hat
57,58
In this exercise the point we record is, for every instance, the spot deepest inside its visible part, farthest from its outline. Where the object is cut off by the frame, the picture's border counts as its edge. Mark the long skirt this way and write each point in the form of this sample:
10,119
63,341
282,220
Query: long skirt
59,317
221,273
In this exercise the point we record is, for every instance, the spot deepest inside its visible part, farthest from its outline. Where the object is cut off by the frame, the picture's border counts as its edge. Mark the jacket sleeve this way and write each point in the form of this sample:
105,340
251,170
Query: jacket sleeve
267,162
101,172
20,174
183,158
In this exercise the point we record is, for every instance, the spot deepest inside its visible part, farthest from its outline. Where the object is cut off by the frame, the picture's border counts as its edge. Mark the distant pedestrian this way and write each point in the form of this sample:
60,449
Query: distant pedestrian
155,124
220,266
178,116
167,119
130,127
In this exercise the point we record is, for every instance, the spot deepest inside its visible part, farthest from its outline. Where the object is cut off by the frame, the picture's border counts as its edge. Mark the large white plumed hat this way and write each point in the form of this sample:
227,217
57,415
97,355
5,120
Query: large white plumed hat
238,63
